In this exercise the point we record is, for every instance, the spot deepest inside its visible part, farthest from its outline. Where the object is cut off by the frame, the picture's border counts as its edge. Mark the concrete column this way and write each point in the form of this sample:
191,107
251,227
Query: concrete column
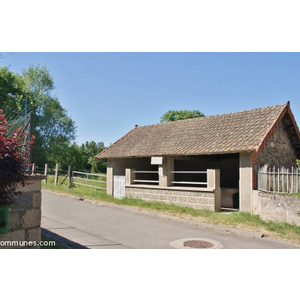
110,180
213,179
164,172
129,176
246,183
214,182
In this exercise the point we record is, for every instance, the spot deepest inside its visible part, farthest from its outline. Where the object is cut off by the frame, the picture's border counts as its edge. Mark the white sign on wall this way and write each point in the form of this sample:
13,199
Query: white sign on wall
156,160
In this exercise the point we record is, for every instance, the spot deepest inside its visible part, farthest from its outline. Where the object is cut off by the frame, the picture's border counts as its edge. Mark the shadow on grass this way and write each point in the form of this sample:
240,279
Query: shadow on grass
61,242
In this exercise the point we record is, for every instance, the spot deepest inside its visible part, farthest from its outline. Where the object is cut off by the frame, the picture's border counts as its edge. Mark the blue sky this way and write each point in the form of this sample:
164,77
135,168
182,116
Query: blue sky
107,94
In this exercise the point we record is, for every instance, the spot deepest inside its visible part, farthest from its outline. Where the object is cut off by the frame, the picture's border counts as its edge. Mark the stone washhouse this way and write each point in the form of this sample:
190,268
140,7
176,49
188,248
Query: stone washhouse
205,163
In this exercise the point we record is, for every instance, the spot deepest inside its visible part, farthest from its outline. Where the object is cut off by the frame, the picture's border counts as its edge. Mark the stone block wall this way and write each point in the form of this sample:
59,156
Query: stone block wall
278,151
24,217
277,208
185,198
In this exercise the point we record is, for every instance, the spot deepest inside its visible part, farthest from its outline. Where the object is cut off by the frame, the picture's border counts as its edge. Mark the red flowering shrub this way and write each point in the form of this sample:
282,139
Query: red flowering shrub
13,161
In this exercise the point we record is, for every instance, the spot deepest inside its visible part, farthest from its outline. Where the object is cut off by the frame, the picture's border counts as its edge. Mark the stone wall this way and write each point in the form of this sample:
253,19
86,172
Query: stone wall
277,208
182,197
278,151
24,217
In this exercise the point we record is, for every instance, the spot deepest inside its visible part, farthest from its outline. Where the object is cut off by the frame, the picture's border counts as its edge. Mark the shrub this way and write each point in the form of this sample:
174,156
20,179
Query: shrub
14,153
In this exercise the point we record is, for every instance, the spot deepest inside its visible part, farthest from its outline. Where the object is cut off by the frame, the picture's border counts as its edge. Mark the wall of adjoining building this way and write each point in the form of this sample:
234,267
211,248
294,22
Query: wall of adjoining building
278,150
276,208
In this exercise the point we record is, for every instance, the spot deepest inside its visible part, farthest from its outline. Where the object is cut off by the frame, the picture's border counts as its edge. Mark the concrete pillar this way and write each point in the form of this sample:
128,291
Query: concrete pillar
213,179
214,182
246,178
110,181
129,176
164,172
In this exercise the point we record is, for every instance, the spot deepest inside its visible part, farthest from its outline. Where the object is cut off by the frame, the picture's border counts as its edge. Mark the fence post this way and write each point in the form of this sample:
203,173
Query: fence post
46,172
278,188
292,183
274,179
297,180
287,180
70,176
32,169
269,174
56,175
282,178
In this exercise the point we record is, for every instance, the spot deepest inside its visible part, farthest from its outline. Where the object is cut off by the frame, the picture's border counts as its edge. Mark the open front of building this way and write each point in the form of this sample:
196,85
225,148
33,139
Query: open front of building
204,163
203,182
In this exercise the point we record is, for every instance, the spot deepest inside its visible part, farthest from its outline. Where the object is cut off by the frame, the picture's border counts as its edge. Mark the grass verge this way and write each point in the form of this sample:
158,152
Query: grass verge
238,220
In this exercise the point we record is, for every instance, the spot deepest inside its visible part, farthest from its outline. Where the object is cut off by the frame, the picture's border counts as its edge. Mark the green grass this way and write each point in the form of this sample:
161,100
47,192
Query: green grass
239,220
293,195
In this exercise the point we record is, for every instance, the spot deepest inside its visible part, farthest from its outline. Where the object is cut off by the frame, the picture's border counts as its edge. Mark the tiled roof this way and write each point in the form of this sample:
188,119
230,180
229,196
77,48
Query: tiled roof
226,133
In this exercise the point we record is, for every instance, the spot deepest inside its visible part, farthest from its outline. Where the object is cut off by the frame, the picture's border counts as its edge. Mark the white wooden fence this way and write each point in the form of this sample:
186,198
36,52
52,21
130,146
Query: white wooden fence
97,181
279,180
92,180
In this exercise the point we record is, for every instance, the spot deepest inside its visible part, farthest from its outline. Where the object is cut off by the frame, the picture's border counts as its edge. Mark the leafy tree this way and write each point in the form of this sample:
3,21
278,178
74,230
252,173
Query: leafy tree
53,128
11,83
298,163
80,157
70,155
174,115
99,165
89,151
54,131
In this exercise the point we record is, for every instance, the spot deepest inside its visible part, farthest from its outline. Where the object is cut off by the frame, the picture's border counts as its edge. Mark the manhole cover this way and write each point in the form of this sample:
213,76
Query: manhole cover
198,244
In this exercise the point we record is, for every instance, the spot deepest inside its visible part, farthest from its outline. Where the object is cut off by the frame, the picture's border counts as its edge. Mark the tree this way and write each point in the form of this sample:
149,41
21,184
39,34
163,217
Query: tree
53,128
54,132
174,115
11,83
68,155
89,151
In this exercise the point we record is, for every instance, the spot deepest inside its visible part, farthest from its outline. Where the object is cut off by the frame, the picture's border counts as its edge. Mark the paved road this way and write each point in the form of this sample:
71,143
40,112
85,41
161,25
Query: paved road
108,226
